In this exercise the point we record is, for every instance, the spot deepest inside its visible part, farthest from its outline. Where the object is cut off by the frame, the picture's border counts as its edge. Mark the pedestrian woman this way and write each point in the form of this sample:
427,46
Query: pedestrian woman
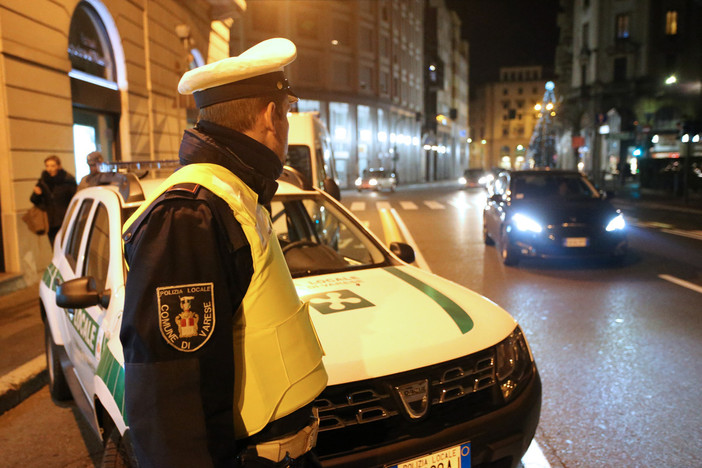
53,193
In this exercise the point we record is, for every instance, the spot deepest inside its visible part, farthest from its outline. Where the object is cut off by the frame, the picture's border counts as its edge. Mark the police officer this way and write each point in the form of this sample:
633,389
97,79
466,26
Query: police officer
222,361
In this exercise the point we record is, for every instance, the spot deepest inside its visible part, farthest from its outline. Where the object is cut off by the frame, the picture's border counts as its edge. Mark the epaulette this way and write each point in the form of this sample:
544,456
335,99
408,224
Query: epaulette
185,189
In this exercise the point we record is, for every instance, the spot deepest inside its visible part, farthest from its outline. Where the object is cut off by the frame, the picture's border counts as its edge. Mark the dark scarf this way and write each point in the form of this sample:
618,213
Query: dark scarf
51,182
254,163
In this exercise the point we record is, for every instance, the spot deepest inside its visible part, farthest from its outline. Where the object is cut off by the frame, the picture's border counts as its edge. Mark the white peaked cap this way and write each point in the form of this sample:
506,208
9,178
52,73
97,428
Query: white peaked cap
256,71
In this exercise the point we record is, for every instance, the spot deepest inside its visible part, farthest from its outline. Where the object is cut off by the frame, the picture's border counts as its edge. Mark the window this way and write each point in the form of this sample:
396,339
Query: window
73,243
505,104
583,75
585,39
505,131
622,27
98,256
671,23
620,69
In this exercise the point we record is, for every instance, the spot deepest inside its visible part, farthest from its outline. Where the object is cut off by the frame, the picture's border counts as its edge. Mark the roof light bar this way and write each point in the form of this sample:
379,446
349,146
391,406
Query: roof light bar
129,166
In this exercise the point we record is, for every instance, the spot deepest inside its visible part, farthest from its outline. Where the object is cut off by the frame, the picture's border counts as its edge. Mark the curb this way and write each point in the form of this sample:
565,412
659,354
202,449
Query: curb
22,382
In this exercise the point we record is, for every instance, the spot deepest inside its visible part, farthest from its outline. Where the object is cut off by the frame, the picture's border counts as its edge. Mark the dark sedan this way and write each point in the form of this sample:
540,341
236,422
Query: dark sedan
551,214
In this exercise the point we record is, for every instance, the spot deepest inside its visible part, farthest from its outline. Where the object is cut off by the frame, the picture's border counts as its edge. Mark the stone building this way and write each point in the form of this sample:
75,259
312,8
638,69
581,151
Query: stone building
503,117
78,76
630,74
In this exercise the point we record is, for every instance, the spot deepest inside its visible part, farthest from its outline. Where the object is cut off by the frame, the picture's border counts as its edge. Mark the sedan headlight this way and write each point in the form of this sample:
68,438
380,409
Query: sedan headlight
373,182
617,224
525,223
514,364
358,182
462,180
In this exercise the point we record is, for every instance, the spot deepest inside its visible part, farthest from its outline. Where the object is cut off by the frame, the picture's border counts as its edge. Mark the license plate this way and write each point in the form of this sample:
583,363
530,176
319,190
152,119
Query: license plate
576,242
457,456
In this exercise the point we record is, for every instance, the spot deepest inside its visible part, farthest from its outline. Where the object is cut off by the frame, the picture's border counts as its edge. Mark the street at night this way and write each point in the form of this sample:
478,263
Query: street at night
616,346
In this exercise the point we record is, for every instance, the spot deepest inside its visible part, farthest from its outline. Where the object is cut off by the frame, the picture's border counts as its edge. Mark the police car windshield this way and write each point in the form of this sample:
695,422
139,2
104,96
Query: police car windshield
318,238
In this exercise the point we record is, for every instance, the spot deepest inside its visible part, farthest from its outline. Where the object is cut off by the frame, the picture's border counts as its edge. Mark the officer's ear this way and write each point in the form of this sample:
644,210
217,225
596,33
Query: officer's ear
269,117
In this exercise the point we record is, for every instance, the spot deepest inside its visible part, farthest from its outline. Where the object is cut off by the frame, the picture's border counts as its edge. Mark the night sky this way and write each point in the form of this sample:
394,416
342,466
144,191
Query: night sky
507,33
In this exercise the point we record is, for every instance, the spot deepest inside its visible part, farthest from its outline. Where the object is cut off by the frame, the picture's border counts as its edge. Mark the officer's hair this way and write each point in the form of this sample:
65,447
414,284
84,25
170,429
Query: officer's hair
240,114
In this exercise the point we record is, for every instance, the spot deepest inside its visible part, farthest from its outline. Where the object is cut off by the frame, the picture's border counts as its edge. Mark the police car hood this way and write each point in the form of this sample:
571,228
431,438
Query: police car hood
383,321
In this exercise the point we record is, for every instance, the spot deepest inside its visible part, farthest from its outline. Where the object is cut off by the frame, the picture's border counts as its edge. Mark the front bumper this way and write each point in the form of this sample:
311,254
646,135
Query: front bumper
498,438
549,246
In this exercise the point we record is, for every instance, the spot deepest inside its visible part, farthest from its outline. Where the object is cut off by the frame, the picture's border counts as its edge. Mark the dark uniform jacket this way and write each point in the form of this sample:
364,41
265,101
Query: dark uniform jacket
180,405
56,194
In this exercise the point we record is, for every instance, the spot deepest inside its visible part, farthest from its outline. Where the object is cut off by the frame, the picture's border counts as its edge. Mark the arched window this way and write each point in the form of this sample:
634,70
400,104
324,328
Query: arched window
94,88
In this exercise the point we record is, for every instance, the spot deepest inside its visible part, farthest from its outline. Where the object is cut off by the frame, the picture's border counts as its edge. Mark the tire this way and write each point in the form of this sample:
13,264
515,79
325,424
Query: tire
118,452
508,254
58,387
486,237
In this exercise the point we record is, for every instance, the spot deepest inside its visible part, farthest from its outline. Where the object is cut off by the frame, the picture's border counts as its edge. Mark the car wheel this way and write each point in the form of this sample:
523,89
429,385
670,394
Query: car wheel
486,237
118,452
58,387
508,254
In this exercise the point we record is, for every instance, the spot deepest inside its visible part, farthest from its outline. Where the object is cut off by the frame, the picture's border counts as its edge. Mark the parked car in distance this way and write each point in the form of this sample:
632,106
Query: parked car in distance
310,151
474,178
377,179
551,214
419,367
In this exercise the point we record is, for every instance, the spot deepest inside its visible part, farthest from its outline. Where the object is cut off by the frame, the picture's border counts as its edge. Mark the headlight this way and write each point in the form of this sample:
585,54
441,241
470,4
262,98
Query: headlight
617,224
483,180
373,182
514,364
358,181
525,223
462,180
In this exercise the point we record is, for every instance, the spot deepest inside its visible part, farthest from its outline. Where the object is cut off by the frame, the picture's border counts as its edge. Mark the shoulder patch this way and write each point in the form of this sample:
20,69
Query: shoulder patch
186,315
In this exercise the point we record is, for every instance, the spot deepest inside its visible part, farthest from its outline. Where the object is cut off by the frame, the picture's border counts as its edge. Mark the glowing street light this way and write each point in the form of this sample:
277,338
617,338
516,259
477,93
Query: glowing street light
672,79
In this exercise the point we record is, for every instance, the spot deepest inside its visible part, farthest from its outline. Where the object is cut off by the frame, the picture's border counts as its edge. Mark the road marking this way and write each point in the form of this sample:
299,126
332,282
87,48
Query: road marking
383,205
418,257
390,230
534,457
408,205
679,232
683,283
434,205
461,205
358,206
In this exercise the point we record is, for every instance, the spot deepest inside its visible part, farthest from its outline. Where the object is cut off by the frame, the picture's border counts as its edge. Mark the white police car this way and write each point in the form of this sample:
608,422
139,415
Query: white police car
421,371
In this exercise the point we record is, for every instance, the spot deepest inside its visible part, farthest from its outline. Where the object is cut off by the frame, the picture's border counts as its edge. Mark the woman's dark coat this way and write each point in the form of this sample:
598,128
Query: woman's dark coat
56,194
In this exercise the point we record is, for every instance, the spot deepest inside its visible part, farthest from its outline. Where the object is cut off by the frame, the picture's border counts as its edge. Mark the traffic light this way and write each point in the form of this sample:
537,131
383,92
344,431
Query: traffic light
637,152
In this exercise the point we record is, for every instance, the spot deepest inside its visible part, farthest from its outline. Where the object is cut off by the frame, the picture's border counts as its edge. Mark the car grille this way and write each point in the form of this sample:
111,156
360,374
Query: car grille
371,413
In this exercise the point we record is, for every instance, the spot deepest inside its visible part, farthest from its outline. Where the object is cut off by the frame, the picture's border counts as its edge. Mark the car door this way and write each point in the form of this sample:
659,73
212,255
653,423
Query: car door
99,261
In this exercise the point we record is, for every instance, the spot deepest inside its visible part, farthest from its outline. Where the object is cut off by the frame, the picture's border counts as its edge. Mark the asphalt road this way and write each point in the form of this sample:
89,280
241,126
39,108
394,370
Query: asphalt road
618,347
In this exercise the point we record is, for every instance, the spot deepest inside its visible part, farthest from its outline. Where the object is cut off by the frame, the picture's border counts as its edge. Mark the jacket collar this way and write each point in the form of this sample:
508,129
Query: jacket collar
254,163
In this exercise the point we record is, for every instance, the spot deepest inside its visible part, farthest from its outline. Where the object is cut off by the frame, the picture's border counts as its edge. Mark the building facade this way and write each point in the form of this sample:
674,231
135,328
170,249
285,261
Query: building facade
631,88
446,99
78,76
504,117
359,66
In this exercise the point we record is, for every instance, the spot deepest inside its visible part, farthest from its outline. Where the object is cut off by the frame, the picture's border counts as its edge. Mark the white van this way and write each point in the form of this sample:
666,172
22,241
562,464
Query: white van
310,151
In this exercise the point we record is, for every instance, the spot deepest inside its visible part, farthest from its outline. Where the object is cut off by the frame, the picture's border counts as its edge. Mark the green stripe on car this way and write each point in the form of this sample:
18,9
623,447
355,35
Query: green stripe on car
458,315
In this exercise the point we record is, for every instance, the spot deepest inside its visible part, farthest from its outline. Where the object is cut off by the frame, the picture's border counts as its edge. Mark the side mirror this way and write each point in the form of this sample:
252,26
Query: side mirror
404,251
332,188
80,293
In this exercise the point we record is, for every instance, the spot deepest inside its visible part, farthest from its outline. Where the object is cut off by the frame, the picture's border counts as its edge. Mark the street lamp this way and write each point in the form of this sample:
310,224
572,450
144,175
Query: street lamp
672,79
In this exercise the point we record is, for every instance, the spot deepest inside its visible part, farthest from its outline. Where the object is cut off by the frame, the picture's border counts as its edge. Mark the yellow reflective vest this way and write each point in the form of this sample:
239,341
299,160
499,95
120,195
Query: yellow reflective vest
277,355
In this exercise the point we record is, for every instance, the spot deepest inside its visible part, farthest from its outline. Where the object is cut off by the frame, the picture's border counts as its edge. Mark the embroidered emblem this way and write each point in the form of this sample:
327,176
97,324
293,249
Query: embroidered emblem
186,315
337,301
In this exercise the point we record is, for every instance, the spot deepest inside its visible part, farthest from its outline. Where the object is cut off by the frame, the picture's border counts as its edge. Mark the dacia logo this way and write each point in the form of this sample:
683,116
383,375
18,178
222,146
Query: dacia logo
414,397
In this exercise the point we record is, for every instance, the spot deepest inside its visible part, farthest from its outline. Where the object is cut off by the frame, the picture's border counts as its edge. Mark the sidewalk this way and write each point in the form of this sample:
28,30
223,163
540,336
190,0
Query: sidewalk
22,359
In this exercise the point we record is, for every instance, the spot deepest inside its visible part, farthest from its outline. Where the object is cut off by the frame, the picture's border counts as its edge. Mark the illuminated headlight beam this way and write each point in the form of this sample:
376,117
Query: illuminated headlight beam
617,224
525,223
